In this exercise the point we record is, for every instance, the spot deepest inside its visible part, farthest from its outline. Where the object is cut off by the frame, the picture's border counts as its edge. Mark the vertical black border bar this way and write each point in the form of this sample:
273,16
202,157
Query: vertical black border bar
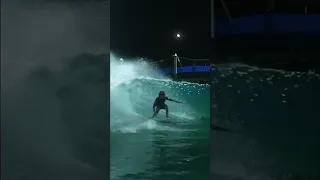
107,81
212,18
106,4
210,79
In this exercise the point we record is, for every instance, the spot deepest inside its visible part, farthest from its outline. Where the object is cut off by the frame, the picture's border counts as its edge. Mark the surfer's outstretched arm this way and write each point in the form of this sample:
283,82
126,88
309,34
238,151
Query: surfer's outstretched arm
169,99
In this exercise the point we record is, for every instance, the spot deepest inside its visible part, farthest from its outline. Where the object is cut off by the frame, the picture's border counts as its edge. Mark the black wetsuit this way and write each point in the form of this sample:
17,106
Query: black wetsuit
160,103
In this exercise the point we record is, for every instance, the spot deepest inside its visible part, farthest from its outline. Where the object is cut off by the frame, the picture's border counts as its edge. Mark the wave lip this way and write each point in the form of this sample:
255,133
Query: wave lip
134,87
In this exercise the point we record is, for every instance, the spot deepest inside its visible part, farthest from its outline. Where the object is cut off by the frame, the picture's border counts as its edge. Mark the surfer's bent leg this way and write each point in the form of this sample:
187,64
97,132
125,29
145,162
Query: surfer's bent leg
155,112
167,111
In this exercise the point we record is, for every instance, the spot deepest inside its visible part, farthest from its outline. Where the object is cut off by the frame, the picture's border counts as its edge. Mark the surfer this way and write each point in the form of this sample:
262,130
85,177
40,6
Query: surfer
159,103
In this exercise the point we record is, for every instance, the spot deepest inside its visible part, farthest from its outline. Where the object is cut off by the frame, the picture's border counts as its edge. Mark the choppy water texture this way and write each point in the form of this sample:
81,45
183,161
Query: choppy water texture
275,118
144,149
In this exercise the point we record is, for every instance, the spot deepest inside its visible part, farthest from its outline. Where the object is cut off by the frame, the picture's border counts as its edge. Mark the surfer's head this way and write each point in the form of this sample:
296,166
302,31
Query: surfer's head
162,94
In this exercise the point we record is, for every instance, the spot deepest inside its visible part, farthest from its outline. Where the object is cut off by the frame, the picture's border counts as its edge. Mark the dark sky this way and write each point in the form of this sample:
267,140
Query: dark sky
147,28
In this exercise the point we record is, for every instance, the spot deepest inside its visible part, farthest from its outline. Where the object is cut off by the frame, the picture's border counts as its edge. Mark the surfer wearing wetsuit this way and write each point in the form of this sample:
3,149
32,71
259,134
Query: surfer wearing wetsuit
159,103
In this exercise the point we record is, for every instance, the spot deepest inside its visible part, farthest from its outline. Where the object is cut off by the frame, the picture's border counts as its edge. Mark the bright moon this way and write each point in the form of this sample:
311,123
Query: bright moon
178,35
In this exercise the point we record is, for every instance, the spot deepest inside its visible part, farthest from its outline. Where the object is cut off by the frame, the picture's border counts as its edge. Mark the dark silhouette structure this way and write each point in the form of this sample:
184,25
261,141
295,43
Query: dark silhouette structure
269,33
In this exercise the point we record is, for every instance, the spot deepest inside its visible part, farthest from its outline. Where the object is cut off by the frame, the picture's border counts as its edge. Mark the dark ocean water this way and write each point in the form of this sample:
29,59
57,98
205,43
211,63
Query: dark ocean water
275,119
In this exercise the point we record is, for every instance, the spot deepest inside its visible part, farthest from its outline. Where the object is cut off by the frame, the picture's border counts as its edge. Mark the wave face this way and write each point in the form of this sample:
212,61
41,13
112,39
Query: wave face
275,118
143,148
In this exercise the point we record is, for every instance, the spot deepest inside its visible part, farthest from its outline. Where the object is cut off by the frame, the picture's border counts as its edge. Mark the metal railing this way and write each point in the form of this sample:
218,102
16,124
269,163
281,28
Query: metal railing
177,65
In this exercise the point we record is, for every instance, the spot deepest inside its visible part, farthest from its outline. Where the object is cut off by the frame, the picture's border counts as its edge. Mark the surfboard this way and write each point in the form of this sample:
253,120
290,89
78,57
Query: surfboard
169,121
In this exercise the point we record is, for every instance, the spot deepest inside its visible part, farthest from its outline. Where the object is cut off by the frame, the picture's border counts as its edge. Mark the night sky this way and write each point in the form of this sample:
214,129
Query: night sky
147,28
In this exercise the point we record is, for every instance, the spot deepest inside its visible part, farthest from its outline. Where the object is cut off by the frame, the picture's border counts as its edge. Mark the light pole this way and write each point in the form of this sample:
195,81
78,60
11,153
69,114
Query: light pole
175,64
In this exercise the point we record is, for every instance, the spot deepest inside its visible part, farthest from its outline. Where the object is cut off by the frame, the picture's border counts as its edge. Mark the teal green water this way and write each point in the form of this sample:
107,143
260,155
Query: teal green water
144,149
275,117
